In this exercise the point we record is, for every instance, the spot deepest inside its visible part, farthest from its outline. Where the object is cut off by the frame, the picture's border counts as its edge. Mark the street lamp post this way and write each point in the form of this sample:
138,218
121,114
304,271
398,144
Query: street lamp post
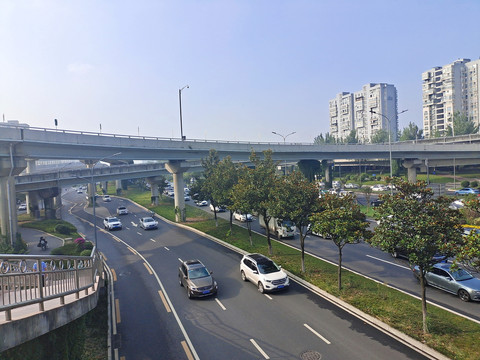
389,137
180,102
284,138
93,187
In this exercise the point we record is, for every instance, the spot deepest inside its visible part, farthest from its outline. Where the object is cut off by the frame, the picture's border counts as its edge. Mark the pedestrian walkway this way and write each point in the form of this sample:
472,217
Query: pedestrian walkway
32,236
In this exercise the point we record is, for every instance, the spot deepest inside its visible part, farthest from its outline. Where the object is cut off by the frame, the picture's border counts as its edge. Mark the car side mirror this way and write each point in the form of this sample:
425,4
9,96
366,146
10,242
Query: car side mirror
255,271
211,272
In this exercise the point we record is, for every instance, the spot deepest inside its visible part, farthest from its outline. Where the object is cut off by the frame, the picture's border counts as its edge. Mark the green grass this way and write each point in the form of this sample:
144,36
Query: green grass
449,334
49,227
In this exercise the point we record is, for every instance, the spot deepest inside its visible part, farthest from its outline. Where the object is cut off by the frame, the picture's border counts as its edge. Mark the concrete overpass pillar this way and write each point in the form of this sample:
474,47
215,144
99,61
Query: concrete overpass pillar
153,190
8,208
34,203
175,168
105,187
9,167
31,167
118,186
411,166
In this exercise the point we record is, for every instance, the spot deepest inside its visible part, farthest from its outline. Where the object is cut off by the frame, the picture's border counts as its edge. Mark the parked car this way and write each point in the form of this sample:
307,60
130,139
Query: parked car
22,207
187,198
379,187
148,223
351,186
242,217
107,198
263,272
220,208
201,202
122,210
375,203
467,191
458,282
196,279
112,223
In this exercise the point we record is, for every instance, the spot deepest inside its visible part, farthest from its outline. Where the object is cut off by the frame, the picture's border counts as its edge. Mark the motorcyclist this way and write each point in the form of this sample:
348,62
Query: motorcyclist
42,243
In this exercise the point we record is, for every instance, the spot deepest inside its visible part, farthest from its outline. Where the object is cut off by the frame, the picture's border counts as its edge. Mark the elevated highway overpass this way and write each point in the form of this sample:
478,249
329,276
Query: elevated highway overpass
20,146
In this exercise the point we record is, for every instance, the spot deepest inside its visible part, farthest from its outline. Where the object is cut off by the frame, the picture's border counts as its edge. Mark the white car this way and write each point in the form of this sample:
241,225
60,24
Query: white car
379,187
351,186
112,223
122,210
107,198
22,207
148,223
217,208
263,272
201,202
242,217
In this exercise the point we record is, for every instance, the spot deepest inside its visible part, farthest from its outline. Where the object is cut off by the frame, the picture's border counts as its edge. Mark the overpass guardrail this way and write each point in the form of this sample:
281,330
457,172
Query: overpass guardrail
33,279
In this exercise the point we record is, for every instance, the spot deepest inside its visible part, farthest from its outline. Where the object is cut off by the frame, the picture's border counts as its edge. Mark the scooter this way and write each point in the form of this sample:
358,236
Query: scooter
42,243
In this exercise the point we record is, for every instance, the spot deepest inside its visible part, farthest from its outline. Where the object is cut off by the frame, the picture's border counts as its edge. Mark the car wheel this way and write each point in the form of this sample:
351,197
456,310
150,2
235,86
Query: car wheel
242,274
261,289
463,295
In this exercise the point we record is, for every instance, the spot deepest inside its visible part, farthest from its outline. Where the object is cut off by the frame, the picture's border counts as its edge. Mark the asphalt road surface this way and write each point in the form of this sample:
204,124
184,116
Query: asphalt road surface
156,320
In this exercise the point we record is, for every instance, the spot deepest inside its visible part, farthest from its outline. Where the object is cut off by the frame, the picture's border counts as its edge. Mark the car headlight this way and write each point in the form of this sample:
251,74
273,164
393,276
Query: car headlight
269,281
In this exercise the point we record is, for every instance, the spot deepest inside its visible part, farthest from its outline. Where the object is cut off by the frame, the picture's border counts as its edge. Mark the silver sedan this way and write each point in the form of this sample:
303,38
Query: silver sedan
458,282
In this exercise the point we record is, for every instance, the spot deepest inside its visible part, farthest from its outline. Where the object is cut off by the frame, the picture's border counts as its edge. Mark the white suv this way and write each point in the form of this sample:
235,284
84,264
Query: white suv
263,272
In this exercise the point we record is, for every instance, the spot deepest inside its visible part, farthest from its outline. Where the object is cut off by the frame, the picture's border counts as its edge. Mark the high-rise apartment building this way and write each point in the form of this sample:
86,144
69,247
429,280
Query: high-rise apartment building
353,112
448,89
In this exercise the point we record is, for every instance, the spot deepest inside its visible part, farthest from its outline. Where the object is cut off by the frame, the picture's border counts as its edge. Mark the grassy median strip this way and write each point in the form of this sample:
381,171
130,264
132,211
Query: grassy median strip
453,336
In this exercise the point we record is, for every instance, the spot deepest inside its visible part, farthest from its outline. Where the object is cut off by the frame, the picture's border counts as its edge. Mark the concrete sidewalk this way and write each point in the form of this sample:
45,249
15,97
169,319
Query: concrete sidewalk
32,236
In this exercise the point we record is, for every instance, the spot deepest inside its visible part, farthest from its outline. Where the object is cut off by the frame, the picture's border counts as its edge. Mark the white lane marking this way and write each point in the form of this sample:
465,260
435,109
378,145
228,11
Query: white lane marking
139,233
388,262
220,304
317,334
259,349
166,248
134,224
268,296
153,240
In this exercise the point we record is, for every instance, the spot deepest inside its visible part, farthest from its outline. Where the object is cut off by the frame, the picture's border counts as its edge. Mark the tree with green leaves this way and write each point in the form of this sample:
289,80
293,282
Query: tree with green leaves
310,168
351,138
367,191
421,226
327,139
411,132
461,125
209,184
243,196
341,221
296,199
261,182
380,136
226,176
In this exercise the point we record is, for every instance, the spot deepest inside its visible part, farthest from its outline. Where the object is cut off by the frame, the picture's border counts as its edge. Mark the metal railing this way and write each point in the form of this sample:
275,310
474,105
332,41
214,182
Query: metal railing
33,279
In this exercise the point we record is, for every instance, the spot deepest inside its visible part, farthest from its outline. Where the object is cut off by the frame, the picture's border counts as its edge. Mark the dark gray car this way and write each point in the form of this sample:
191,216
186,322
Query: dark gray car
196,279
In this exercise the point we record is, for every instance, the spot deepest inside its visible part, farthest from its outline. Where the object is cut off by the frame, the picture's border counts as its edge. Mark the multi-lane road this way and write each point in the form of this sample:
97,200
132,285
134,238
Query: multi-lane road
154,319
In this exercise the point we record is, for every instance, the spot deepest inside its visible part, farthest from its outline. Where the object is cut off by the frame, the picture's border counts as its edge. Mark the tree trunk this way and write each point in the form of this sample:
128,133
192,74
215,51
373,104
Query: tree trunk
424,301
249,227
302,246
215,214
339,268
231,220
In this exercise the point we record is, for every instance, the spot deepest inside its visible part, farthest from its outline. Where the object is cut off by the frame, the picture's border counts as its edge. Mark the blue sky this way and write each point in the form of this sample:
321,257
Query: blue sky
253,66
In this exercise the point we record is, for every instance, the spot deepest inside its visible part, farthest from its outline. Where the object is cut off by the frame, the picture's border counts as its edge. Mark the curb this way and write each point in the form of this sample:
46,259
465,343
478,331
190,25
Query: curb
416,345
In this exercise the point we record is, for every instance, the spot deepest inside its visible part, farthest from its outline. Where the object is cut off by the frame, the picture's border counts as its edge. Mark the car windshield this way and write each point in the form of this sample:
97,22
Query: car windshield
268,267
148,220
288,223
198,273
112,220
121,208
461,275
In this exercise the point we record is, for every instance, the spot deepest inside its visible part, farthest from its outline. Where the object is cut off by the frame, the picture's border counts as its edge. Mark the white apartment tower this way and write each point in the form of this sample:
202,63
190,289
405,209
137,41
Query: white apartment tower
353,112
448,89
